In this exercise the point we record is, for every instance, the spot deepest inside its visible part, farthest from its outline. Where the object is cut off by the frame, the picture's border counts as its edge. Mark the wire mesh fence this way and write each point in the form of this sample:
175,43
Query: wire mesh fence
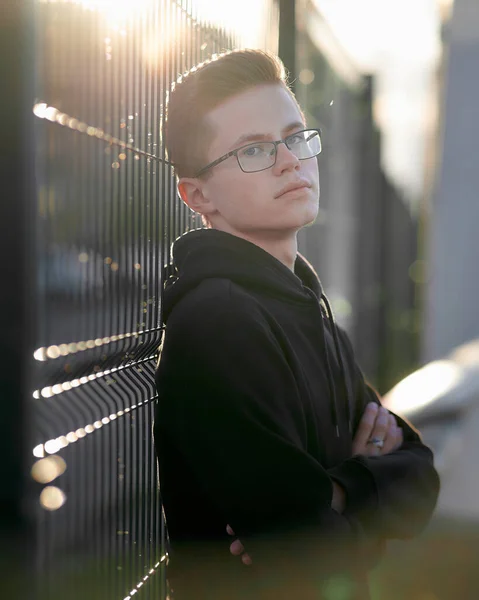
107,213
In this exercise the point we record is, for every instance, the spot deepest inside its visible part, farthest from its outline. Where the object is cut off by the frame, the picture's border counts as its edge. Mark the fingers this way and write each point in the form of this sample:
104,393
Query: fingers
390,440
236,548
380,429
394,436
365,428
377,422
399,437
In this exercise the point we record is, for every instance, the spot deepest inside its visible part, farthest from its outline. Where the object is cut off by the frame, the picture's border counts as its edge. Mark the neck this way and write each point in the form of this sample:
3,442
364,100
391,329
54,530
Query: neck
282,245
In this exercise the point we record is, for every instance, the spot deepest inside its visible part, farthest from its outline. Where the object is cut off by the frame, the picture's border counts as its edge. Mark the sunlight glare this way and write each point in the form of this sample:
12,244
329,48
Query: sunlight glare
117,12
247,18
39,451
423,386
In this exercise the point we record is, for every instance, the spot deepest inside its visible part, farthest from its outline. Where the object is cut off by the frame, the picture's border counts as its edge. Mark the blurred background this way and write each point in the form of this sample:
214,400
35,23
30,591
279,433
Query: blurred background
88,214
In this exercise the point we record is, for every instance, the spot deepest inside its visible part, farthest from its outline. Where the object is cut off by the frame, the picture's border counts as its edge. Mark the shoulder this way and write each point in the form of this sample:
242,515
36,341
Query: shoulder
217,325
214,304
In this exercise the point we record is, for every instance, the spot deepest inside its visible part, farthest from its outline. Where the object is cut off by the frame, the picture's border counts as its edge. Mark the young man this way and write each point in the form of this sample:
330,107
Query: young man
265,426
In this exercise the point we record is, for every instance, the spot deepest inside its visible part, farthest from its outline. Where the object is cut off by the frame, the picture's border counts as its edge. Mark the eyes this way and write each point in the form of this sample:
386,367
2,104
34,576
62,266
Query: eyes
296,138
269,148
265,149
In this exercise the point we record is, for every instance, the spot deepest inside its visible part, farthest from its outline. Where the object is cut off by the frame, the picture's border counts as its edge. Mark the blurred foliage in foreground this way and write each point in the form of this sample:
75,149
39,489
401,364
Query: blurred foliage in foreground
442,564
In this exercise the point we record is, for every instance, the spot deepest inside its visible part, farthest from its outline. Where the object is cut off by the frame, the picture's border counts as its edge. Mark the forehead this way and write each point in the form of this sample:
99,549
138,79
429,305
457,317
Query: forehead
265,109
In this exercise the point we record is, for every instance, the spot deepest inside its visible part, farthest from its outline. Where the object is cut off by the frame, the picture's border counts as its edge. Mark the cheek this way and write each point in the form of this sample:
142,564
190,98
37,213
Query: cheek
311,170
236,193
246,189
225,186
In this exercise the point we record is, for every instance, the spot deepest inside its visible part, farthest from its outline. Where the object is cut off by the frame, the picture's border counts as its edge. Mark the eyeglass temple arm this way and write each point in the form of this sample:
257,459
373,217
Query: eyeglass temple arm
315,132
216,162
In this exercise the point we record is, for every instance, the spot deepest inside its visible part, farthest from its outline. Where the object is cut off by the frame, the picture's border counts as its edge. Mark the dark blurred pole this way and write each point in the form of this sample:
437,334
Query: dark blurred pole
287,38
368,333
16,298
452,315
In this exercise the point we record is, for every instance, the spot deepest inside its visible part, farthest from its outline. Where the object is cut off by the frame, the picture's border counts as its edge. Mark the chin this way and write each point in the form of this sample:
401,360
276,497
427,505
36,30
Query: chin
299,217
309,214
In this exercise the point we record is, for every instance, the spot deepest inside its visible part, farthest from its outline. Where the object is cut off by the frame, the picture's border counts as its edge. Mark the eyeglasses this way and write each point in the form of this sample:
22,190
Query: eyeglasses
260,156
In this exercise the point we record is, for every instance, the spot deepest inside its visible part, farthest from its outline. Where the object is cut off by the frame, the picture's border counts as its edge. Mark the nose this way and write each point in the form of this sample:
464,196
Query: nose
285,160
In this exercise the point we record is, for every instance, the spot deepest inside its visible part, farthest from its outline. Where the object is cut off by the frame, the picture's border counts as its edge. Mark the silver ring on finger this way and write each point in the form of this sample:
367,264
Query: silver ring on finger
378,442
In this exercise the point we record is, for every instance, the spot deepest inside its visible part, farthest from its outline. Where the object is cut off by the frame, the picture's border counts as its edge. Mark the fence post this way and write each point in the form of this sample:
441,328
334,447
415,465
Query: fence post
287,38
16,305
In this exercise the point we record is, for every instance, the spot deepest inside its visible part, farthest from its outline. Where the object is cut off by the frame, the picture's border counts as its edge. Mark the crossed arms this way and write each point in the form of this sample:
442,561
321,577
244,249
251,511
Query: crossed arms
231,420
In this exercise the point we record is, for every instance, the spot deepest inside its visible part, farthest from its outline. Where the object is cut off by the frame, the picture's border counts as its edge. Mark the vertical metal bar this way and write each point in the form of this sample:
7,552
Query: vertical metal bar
287,38
160,529
143,97
175,74
16,314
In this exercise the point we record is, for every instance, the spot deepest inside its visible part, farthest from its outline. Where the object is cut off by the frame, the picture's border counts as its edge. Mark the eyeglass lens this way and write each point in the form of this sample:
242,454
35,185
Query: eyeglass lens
261,155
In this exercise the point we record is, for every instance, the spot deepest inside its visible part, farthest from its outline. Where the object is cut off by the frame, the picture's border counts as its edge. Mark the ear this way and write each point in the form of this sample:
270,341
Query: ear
191,191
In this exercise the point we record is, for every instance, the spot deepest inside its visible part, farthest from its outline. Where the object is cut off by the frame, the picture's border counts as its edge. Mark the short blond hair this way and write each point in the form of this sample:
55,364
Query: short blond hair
187,135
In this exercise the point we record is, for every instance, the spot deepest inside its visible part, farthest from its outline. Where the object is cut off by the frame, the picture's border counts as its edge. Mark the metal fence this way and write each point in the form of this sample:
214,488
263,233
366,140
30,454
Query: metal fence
105,214
90,213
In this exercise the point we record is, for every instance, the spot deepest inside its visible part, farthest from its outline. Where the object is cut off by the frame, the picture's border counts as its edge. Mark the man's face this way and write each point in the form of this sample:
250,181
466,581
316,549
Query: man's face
252,202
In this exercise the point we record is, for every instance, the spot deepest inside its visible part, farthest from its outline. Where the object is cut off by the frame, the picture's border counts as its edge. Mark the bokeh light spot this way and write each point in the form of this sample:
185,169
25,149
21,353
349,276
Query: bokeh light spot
52,498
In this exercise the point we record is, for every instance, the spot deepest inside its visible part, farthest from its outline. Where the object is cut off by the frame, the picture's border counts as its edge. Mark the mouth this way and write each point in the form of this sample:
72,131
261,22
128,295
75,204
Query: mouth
291,187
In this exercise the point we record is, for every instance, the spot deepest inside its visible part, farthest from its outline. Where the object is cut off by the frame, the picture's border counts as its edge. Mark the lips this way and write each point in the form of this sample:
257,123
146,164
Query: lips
295,185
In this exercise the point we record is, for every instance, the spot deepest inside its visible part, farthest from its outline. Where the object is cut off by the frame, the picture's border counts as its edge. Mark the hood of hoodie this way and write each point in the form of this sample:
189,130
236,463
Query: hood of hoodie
209,253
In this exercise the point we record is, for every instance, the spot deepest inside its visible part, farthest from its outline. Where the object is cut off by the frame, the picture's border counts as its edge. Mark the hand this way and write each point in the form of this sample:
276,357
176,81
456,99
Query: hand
338,503
378,423
237,548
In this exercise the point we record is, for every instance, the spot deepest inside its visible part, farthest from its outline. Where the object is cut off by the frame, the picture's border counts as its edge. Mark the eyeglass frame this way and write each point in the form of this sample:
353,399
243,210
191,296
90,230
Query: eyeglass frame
276,144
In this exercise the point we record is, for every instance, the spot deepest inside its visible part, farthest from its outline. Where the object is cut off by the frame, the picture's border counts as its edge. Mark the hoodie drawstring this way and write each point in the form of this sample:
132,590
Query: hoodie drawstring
341,367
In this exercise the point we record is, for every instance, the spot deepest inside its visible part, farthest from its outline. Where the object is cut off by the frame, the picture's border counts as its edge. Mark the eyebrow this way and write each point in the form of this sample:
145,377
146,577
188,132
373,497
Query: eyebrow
255,137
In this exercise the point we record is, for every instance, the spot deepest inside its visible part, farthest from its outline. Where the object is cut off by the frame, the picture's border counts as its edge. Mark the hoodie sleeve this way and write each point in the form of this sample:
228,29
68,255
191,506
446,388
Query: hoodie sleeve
393,495
228,398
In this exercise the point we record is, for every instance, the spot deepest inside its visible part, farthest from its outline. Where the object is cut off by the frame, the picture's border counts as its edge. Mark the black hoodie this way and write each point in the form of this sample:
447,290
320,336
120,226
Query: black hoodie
259,397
